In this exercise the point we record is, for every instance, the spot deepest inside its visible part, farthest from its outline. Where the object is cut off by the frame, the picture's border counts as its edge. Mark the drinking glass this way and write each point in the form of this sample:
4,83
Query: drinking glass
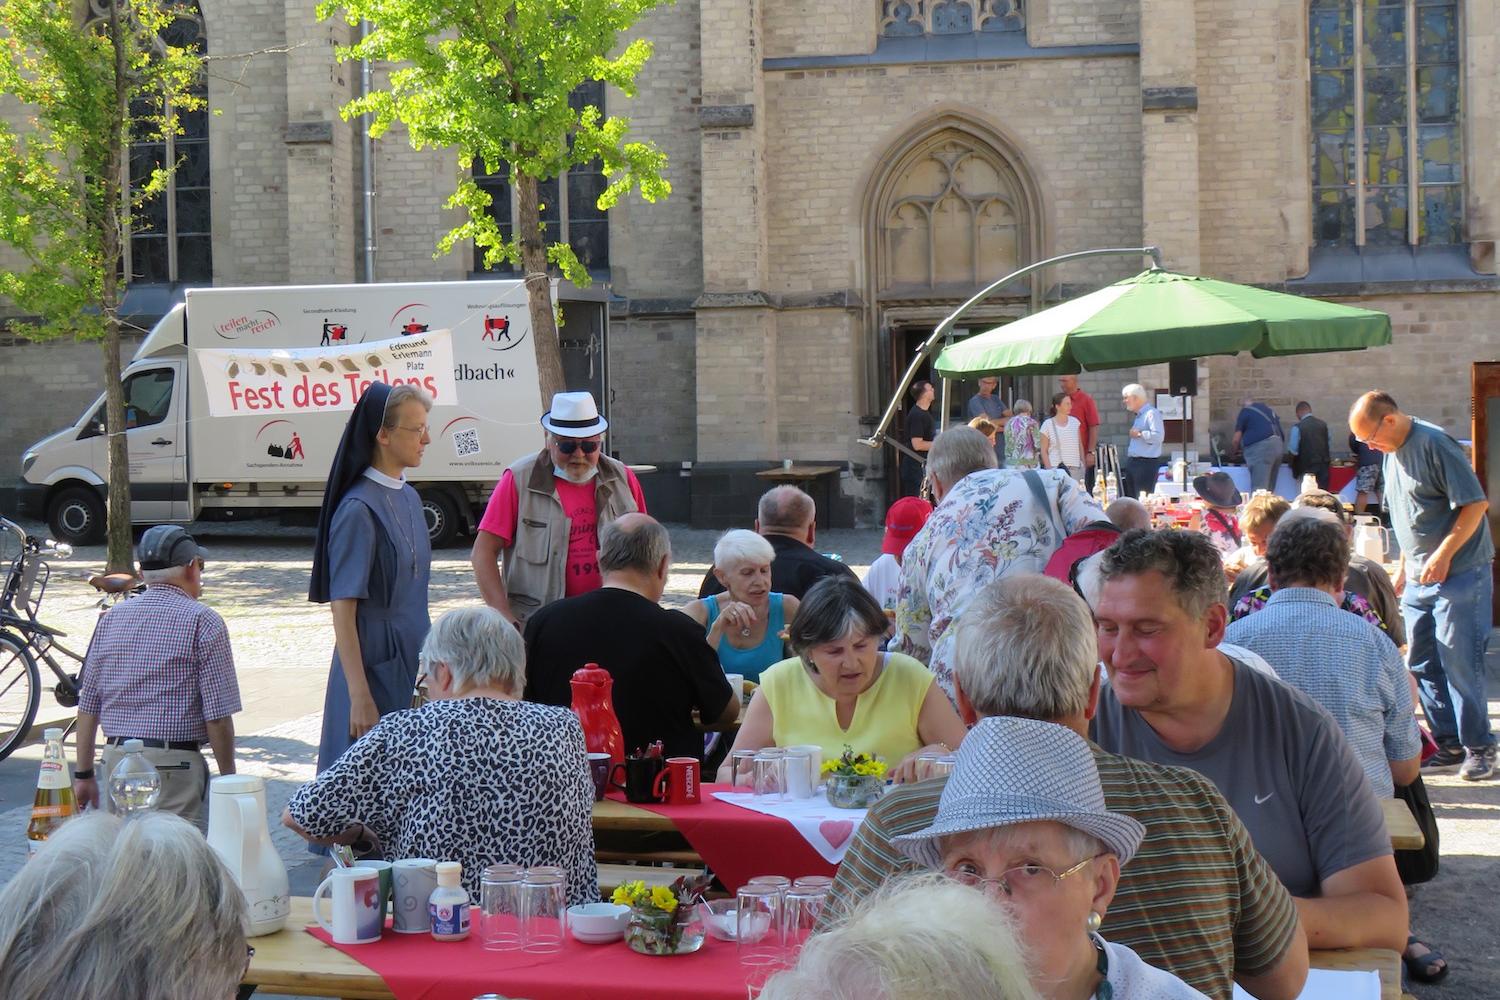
943,766
500,907
926,761
742,768
800,911
821,882
770,773
544,912
757,930
798,773
780,883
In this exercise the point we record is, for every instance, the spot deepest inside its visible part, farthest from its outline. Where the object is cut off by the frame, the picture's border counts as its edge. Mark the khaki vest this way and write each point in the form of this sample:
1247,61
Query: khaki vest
534,567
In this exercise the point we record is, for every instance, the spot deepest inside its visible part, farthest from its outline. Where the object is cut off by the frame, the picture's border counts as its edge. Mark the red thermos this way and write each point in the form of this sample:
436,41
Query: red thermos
596,712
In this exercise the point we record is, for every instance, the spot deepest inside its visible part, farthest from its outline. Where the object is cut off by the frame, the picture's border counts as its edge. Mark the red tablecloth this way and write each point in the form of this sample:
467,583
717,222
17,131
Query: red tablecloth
738,844
415,967
1340,476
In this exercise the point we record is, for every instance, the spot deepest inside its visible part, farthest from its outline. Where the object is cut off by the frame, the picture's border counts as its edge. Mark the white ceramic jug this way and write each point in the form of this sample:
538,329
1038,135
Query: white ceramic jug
1369,538
238,833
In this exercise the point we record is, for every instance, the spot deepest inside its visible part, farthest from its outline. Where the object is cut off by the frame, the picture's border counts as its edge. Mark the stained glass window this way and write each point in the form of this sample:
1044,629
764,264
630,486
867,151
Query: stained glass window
170,238
570,210
1387,159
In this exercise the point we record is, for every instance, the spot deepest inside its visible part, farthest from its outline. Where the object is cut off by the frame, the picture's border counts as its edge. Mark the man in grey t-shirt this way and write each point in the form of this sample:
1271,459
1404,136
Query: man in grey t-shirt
1280,760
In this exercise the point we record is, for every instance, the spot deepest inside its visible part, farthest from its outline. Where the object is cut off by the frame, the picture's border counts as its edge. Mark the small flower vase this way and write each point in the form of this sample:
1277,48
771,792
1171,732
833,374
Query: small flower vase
854,791
656,932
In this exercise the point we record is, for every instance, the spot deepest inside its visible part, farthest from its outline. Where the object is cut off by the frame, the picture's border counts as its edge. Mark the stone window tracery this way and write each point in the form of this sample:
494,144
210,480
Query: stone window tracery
910,18
951,218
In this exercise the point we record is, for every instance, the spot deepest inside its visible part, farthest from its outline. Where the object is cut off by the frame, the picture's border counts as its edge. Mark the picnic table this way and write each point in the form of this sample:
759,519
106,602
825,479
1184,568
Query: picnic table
1402,827
294,962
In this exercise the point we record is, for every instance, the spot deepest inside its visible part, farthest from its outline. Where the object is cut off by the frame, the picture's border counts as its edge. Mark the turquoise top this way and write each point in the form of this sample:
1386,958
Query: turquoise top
750,662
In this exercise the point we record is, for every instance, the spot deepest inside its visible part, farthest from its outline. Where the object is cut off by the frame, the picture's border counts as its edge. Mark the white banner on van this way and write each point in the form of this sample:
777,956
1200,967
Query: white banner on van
323,379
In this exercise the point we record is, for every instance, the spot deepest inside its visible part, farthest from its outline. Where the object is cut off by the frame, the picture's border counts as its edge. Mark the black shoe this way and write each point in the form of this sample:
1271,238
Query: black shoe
1445,757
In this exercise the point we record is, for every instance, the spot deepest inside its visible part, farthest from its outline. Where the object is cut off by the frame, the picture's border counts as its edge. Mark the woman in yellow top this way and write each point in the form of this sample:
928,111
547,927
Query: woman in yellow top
841,690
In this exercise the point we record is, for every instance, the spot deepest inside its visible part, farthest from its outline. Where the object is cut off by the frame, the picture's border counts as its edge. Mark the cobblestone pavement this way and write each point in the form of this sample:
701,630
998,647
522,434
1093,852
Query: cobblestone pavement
257,579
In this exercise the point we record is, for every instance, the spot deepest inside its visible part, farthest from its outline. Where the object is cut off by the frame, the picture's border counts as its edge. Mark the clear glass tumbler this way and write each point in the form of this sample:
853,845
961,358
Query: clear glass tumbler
742,768
800,911
500,907
757,930
823,882
544,911
770,773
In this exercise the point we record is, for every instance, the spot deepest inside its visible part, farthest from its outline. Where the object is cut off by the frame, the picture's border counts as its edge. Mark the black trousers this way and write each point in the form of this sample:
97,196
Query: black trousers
1140,476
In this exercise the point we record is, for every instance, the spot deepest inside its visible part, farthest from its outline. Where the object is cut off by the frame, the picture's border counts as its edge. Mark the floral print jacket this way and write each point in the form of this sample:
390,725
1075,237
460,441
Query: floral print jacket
992,524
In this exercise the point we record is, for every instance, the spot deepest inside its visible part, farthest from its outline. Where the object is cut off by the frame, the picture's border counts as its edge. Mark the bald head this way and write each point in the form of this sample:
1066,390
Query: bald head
1128,514
1373,405
786,510
1378,422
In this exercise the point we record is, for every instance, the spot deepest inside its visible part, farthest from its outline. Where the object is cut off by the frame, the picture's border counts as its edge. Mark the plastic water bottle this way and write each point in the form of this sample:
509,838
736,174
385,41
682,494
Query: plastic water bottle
134,782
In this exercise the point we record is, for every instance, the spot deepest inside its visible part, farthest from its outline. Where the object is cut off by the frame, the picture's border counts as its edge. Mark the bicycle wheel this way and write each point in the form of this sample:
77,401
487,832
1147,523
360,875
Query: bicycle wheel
20,689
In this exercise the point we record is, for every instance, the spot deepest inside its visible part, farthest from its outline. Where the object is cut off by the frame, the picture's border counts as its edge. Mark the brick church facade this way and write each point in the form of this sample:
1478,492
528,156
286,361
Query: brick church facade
846,171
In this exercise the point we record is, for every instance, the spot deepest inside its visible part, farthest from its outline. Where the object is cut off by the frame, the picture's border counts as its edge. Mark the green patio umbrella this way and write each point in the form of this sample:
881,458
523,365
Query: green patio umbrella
1160,316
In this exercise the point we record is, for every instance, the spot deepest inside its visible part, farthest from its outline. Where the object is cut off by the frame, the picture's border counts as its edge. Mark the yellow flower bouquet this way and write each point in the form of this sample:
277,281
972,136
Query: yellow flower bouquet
664,920
855,780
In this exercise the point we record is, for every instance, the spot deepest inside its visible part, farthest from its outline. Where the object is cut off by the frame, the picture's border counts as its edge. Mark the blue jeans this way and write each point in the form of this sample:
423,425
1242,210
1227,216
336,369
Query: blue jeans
1447,624
1264,459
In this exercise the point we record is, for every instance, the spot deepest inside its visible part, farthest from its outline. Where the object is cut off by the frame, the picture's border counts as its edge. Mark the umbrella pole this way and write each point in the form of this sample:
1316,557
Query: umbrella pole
878,436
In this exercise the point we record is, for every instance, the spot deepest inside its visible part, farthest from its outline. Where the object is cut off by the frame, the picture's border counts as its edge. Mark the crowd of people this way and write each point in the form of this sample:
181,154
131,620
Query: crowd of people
1158,790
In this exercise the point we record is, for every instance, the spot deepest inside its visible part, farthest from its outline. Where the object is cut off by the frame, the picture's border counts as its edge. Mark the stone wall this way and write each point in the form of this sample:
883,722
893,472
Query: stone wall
60,378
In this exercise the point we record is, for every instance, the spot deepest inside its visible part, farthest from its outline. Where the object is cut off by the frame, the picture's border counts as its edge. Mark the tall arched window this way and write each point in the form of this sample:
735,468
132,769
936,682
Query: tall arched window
570,211
1387,157
953,214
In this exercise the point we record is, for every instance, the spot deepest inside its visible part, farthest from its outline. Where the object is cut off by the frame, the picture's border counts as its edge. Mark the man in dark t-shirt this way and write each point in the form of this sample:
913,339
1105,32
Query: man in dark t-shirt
921,428
788,519
663,668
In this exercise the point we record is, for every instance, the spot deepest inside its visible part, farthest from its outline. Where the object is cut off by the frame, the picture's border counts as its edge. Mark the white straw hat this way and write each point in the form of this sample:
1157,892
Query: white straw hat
574,415
1009,771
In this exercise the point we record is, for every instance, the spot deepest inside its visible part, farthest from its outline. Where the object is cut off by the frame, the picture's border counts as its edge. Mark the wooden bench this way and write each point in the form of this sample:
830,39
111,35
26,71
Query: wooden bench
610,876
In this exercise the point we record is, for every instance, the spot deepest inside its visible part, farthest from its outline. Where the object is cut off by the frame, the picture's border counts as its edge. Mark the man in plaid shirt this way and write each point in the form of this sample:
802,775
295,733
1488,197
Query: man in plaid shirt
159,669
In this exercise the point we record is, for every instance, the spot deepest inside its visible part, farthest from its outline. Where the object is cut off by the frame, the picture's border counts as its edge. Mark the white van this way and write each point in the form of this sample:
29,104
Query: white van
187,463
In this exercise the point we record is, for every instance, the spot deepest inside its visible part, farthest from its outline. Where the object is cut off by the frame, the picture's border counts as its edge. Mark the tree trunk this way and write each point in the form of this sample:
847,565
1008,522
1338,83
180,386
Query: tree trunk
118,554
538,289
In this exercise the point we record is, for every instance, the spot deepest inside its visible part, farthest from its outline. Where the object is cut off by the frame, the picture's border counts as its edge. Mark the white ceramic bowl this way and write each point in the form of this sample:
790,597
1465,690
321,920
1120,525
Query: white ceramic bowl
720,919
598,923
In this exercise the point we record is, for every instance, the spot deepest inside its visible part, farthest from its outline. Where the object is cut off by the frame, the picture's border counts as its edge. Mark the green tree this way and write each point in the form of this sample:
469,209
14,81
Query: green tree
492,78
87,86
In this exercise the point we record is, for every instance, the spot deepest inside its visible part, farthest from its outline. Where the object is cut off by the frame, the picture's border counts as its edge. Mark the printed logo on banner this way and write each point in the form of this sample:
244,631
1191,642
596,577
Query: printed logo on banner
281,440
465,432
498,334
410,319
247,325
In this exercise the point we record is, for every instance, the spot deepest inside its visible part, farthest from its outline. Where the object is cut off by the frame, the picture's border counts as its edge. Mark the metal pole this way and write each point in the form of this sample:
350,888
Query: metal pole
878,437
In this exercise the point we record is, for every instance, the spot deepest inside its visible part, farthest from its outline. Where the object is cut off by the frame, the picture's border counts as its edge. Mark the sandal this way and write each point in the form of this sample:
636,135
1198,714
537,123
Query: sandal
1430,967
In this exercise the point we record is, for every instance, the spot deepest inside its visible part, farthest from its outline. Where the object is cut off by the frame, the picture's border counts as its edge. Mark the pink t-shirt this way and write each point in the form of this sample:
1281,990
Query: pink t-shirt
581,573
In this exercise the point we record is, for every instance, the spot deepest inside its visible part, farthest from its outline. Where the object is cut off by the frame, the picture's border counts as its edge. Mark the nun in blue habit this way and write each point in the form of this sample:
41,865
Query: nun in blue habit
372,563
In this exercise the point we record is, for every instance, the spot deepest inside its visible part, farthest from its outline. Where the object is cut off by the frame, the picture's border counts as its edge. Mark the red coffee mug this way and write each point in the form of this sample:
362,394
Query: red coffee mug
678,784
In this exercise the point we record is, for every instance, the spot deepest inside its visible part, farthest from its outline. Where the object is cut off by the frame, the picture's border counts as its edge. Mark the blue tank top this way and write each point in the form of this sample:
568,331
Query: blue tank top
750,662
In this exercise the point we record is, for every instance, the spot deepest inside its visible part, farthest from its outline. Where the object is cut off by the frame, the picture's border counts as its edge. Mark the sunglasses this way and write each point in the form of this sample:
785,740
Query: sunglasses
567,447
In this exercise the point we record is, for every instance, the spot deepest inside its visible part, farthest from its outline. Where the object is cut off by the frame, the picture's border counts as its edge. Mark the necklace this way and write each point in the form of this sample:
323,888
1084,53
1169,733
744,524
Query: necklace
401,523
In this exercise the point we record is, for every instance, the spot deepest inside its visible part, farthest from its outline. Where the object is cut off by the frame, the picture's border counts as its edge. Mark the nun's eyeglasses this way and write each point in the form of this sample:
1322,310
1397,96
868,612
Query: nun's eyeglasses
420,430
568,446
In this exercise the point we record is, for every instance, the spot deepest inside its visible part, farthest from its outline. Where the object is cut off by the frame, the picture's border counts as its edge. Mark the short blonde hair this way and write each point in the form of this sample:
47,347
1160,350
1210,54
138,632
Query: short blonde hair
1263,510
984,425
143,910
919,938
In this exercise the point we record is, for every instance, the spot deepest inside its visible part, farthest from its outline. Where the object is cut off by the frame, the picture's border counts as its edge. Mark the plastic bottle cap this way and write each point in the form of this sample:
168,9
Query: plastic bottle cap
134,746
449,873
51,734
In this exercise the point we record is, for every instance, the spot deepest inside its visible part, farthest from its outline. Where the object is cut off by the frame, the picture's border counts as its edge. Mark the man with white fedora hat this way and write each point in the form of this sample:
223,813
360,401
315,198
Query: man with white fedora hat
1023,816
544,517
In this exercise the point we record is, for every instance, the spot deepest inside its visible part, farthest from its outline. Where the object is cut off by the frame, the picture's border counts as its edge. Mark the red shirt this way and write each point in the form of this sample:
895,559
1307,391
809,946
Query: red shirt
1085,410
581,572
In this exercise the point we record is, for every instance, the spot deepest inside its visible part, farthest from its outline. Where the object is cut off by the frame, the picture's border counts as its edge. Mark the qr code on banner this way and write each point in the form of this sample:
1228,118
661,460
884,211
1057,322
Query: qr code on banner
467,442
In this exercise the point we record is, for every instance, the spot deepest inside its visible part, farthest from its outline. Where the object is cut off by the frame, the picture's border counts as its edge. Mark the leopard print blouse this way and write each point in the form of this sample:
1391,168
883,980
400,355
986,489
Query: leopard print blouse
473,780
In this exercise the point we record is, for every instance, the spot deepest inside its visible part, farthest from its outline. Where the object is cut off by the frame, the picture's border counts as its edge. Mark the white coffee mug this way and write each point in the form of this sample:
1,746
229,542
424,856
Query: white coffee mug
354,894
413,881
798,783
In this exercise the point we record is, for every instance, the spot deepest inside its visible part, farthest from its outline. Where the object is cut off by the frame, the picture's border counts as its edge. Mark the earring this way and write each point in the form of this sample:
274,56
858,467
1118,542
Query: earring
1094,921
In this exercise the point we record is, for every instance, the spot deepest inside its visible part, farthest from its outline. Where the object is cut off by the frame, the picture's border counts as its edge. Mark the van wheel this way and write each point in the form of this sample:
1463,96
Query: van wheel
76,516
442,517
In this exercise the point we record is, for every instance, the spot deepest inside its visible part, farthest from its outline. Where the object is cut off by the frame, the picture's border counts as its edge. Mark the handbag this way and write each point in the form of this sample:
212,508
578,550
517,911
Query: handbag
1422,864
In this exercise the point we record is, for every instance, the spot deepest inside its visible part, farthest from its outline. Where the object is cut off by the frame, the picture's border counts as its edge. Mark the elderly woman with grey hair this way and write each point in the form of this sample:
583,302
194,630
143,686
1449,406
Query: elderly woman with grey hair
1023,819
841,691
920,938
476,775
744,623
142,910
1023,441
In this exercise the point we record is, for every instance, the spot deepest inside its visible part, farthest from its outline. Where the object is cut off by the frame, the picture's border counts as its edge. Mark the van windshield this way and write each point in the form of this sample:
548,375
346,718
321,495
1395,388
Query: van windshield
148,396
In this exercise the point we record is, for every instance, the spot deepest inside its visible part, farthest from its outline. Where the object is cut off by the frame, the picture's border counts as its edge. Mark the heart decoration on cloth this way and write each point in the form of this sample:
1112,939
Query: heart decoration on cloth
836,831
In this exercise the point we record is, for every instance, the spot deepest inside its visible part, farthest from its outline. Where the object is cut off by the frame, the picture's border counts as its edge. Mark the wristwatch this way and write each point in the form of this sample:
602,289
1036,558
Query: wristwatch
84,774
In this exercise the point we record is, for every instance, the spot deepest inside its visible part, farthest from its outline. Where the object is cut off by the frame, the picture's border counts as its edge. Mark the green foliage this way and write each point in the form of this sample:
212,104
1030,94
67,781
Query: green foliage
60,186
493,79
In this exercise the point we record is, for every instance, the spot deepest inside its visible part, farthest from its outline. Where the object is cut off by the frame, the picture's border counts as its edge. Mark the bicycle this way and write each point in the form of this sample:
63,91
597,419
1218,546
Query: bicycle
25,641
